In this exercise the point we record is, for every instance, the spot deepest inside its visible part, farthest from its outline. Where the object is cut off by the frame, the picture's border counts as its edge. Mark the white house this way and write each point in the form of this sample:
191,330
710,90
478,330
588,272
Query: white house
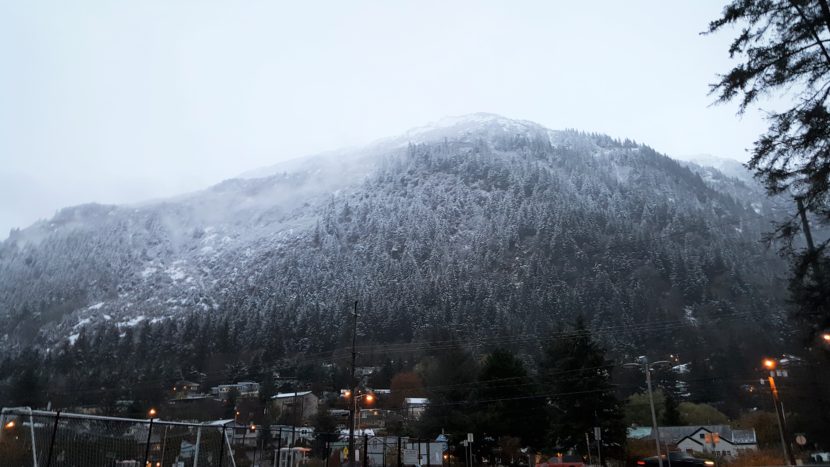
720,440
243,388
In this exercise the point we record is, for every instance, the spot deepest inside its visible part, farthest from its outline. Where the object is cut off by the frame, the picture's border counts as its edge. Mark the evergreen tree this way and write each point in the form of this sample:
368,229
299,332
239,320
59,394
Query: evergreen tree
671,413
507,400
26,389
783,48
577,376
450,378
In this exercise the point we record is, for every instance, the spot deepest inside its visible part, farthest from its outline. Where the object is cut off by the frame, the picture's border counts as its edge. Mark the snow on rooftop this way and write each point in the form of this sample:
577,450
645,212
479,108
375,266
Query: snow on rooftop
284,395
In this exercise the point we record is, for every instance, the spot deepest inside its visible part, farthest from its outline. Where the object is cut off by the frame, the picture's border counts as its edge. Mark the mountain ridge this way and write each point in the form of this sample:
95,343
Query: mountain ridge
231,249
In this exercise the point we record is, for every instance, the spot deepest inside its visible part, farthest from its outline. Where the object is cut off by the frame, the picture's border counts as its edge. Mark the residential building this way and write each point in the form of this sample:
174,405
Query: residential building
720,440
300,406
186,390
243,389
414,407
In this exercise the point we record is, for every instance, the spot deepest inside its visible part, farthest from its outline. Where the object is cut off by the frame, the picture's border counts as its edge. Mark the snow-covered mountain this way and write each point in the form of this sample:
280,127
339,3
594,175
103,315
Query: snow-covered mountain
480,223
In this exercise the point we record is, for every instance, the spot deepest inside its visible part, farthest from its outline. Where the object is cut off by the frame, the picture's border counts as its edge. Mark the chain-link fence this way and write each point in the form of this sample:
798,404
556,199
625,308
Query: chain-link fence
53,439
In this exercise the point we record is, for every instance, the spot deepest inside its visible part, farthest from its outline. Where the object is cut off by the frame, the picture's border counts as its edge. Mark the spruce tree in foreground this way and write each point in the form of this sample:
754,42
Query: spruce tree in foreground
577,377
784,47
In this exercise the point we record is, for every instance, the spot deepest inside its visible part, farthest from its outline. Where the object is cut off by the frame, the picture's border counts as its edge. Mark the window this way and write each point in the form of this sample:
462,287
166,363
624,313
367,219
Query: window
702,436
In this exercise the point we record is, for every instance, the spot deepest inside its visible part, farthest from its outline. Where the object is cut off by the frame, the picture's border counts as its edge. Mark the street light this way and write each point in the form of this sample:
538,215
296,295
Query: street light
369,397
771,364
646,367
152,413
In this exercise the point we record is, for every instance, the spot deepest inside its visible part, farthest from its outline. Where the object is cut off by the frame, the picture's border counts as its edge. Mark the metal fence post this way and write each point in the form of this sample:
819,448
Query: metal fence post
147,448
279,449
32,429
365,450
52,442
328,453
400,464
196,451
222,445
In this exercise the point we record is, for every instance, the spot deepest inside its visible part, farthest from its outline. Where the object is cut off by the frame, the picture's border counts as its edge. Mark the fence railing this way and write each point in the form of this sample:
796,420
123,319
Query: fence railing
54,439
41,438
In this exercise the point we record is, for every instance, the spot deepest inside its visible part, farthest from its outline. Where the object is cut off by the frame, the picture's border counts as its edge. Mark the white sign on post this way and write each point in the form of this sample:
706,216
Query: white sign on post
469,437
410,456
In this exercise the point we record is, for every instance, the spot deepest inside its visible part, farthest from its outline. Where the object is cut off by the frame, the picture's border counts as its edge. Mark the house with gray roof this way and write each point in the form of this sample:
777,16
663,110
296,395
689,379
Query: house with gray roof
720,440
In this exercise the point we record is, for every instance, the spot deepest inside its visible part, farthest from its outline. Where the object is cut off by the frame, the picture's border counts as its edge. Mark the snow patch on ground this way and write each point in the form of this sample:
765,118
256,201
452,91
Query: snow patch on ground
681,369
175,273
73,338
97,306
133,321
147,272
689,315
82,322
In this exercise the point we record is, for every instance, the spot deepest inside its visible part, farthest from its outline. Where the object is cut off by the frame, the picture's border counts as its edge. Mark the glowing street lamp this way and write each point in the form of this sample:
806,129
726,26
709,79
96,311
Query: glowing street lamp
826,337
368,397
152,413
9,425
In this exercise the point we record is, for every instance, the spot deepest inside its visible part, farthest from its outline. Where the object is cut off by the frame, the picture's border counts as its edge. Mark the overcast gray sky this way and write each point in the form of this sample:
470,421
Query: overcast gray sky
119,102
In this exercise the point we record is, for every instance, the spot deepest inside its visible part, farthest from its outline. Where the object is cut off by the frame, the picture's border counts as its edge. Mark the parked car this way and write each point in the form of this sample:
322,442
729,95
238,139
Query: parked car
676,459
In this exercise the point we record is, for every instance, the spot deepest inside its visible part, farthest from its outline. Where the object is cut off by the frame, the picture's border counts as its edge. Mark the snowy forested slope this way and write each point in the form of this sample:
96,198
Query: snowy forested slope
480,224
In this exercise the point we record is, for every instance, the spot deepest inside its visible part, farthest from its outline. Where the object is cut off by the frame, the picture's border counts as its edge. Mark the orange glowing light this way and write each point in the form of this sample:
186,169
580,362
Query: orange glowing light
152,412
10,425
370,397
770,364
826,337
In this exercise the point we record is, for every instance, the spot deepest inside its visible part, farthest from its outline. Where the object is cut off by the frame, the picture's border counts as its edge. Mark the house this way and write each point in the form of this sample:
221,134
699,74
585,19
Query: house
296,404
341,416
373,418
288,435
186,390
241,434
414,407
720,440
243,389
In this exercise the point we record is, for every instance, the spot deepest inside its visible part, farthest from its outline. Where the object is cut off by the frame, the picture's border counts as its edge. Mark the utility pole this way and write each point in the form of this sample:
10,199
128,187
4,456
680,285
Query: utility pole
642,362
588,445
354,390
771,365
